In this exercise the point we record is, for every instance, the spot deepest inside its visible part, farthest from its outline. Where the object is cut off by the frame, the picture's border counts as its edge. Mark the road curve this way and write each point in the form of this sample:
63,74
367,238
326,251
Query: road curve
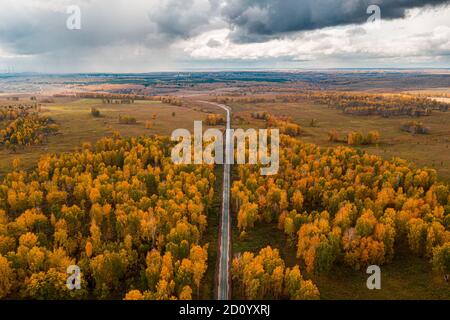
223,290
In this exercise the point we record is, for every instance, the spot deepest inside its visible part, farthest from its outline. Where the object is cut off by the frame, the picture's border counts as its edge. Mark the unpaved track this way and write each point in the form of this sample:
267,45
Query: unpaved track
223,290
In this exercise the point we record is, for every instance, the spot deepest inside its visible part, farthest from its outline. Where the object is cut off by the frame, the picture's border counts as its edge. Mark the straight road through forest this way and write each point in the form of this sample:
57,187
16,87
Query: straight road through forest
223,290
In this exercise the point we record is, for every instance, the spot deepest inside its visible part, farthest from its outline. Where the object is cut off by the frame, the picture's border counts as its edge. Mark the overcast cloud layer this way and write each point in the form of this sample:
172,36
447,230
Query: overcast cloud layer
256,20
158,35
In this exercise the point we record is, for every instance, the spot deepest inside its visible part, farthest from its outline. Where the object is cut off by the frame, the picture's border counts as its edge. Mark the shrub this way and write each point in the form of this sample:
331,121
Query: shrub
127,120
415,127
356,138
373,137
333,136
215,119
95,112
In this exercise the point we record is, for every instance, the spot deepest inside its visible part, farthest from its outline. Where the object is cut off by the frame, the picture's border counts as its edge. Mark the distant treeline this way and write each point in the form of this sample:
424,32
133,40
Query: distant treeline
123,98
385,105
117,101
355,138
285,124
105,96
361,104
174,101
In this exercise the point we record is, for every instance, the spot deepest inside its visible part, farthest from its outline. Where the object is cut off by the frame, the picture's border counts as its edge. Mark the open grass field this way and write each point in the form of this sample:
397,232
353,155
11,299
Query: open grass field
77,125
431,150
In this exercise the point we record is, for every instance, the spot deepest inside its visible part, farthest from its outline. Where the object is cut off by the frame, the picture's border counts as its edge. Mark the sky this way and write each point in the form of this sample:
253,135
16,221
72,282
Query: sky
170,35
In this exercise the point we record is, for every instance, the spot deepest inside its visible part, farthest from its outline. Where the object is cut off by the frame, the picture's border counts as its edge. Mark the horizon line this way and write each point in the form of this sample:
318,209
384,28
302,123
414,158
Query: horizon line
200,70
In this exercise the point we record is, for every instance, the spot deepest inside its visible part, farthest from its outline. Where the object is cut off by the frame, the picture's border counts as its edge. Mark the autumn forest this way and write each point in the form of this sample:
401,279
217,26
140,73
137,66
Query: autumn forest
140,227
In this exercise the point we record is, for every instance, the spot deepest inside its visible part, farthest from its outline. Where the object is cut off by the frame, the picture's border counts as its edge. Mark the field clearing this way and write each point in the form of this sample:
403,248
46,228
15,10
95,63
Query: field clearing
77,125
431,150
430,91
446,100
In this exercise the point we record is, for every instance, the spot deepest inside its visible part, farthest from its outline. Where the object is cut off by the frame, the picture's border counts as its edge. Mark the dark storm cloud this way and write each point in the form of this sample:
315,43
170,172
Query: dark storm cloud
259,20
185,18
40,29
